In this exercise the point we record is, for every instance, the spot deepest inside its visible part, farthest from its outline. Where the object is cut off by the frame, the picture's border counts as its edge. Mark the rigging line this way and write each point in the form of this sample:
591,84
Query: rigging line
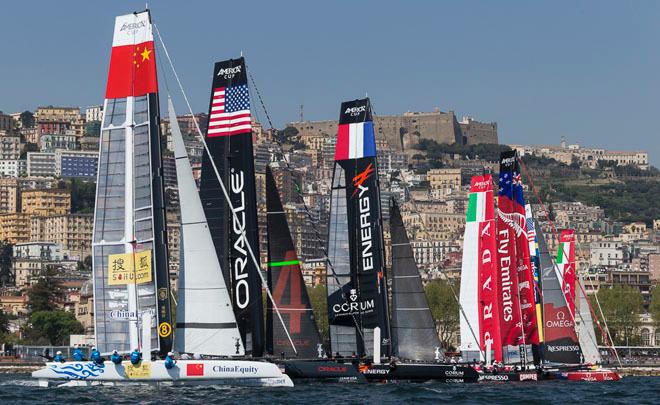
555,234
298,190
226,194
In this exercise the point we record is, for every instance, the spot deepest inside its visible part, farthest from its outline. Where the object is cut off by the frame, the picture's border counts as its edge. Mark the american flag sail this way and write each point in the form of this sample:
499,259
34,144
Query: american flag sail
230,111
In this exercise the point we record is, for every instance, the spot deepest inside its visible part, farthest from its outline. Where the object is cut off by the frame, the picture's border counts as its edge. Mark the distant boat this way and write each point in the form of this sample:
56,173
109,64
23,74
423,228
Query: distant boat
131,283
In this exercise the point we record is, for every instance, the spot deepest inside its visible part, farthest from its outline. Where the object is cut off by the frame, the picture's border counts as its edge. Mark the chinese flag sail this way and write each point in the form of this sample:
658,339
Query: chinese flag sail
133,60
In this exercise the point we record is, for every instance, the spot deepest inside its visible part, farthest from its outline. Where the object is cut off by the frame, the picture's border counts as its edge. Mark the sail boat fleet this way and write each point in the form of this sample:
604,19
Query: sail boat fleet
379,330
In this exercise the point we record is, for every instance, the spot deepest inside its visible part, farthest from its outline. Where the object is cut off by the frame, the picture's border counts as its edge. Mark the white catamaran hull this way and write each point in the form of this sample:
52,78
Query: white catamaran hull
185,372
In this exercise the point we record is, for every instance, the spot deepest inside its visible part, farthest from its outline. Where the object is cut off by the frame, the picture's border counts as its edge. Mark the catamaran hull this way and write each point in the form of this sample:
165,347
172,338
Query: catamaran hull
420,372
321,370
510,376
185,372
587,375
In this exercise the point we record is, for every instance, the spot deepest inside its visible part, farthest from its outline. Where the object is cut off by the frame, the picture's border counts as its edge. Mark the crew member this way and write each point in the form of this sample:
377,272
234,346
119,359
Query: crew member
78,355
115,358
136,357
169,360
95,355
58,357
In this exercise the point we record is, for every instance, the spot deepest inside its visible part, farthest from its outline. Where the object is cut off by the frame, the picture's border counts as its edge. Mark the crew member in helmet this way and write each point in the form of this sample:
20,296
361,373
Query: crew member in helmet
169,360
136,357
95,355
115,357
58,357
78,354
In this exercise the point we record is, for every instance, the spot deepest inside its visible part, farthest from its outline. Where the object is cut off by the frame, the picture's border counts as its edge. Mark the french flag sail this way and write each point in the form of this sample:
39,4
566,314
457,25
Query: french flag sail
479,322
229,139
129,214
357,293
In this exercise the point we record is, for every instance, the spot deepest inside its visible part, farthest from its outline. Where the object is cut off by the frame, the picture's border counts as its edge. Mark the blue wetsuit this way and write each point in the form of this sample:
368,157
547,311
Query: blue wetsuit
58,358
96,357
136,357
78,355
116,358
169,362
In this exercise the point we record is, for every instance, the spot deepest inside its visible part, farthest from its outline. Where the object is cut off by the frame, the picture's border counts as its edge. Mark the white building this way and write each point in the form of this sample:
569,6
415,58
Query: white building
606,253
41,164
13,168
94,113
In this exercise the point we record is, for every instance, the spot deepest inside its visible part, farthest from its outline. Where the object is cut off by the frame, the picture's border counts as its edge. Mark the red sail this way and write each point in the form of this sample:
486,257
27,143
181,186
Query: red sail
132,71
524,265
507,281
489,313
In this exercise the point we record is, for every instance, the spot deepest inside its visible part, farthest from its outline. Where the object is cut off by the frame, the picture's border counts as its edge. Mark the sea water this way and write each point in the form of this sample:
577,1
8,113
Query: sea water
20,388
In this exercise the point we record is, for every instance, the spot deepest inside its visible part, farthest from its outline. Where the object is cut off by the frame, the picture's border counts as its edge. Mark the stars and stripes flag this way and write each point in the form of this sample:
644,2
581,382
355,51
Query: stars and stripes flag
230,111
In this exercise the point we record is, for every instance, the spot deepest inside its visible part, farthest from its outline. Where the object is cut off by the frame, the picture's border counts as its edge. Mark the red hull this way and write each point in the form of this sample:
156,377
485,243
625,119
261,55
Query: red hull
596,375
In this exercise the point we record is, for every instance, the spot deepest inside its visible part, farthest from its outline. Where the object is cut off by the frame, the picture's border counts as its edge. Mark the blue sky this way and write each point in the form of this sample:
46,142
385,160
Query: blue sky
588,70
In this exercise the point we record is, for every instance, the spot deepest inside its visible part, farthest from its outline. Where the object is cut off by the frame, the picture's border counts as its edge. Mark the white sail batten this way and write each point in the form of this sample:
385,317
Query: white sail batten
205,320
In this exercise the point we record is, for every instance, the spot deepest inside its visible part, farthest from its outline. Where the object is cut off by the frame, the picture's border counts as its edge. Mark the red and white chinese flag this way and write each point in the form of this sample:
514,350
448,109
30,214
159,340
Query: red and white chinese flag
133,59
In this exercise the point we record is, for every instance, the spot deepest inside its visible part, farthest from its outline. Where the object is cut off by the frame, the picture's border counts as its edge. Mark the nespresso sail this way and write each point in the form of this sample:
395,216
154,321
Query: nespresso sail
479,322
130,260
414,336
229,139
285,281
205,321
357,295
561,343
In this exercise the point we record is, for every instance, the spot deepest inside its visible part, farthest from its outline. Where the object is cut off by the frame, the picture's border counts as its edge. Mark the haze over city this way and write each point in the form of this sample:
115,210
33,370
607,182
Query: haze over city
585,70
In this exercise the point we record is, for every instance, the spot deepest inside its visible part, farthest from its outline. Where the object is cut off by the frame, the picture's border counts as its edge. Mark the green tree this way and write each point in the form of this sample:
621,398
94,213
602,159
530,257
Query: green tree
318,298
54,326
4,322
44,294
27,119
622,306
444,309
83,195
654,306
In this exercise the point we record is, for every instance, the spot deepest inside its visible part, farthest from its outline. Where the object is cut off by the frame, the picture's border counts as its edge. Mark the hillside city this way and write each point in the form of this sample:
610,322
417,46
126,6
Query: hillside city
48,163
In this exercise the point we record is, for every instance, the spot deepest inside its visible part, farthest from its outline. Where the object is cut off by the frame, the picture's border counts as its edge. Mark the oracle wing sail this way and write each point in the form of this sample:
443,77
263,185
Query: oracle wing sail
560,341
229,140
130,259
357,295
205,320
414,335
285,281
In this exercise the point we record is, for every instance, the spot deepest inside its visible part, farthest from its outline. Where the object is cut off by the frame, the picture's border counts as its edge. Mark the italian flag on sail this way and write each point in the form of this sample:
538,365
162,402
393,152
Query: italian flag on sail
566,266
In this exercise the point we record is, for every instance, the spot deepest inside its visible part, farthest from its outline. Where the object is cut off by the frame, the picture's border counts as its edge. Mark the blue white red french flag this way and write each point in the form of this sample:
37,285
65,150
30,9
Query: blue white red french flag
355,141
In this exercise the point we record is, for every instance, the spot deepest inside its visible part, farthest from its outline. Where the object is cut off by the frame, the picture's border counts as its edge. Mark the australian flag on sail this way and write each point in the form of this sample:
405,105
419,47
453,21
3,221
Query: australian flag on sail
230,111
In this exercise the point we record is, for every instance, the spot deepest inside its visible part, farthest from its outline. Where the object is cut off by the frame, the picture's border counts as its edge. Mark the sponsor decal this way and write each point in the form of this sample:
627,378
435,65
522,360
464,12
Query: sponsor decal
123,315
162,294
364,206
494,377
142,370
129,268
454,373
239,265
133,26
332,369
528,377
353,306
553,348
164,329
355,111
229,73
505,274
194,369
560,321
235,369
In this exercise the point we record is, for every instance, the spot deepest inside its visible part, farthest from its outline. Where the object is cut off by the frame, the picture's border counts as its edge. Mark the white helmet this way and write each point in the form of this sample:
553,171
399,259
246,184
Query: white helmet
170,354
59,352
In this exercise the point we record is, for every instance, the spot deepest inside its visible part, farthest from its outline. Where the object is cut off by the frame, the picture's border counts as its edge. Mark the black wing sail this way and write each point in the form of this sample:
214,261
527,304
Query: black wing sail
285,280
358,303
561,342
229,138
414,335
